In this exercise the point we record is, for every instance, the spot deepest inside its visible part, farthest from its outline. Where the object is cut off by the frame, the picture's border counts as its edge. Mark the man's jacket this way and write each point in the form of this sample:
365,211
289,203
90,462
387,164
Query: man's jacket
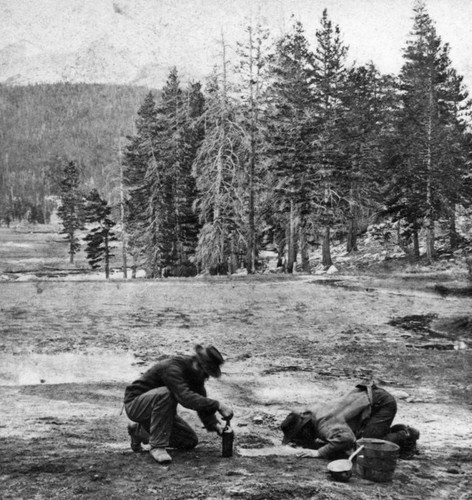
337,424
184,381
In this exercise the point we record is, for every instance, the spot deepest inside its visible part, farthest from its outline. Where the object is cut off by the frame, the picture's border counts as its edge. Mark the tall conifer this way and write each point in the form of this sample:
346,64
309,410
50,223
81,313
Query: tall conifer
290,132
138,155
218,169
101,235
426,122
71,210
328,77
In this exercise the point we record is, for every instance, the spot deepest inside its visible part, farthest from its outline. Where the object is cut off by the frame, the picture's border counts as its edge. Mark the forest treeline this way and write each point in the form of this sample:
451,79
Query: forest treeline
291,147
41,126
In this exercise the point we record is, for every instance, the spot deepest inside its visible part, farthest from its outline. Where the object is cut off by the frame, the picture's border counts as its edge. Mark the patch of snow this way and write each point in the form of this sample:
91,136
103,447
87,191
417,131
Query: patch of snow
140,273
27,277
241,271
17,245
267,254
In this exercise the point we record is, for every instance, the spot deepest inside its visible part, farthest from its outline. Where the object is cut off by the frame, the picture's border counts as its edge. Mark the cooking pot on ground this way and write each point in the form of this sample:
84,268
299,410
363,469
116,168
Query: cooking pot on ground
341,470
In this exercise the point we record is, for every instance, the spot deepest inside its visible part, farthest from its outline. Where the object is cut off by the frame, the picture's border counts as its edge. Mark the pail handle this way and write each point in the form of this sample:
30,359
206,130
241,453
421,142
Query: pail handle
356,452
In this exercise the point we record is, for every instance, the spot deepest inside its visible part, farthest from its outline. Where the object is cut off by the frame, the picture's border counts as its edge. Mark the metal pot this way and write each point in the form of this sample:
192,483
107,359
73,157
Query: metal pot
341,470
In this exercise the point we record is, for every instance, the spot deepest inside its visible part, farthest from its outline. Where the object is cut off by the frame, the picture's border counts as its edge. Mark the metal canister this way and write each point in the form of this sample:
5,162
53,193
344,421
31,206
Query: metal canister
228,440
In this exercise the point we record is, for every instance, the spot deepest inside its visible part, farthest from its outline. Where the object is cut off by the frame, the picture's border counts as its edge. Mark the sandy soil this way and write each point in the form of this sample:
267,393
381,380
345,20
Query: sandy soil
67,350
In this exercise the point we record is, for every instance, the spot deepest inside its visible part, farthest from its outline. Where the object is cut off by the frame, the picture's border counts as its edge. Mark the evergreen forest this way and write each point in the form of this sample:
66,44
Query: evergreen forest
285,150
43,126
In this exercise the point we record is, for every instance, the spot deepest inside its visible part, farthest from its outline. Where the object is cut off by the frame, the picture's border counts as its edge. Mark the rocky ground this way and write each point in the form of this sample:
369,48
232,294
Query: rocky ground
68,348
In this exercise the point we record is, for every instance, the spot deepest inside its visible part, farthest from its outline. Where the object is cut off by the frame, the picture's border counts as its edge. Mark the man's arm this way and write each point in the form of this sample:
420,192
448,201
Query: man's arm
339,438
185,395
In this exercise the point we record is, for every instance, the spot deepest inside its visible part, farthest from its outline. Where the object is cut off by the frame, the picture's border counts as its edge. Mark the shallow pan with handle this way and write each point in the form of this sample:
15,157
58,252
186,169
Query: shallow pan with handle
341,470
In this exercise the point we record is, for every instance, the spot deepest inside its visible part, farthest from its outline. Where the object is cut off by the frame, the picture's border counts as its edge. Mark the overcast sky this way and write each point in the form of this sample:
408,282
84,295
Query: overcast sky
377,30
187,30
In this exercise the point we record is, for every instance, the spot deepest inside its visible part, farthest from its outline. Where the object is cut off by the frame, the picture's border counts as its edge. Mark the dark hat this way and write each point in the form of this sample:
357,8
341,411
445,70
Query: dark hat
210,359
292,425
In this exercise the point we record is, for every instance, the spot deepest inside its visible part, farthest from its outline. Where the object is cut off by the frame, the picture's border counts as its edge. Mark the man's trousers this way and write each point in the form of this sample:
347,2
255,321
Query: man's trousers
156,413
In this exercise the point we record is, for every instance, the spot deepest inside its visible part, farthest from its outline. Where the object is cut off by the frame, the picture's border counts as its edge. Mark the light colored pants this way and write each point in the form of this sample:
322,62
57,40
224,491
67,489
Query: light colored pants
156,413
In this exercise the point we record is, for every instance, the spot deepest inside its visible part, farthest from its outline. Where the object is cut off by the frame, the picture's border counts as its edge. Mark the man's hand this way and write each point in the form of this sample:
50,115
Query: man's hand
225,411
308,454
219,428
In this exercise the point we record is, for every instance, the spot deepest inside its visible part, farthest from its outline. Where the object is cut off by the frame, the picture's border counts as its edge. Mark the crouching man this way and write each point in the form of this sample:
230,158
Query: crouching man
330,430
151,402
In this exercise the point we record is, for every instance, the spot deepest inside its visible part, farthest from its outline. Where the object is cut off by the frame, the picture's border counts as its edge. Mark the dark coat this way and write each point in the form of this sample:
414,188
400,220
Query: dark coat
185,381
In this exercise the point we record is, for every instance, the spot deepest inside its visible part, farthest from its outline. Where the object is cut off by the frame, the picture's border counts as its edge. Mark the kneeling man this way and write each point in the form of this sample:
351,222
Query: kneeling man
331,430
151,402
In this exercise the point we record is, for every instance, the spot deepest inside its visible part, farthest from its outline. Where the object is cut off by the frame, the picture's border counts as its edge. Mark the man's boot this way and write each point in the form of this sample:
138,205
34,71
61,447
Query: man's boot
406,437
160,455
408,448
133,431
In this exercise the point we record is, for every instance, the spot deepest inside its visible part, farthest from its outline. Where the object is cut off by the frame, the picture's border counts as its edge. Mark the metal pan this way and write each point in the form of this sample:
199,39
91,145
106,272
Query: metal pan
341,470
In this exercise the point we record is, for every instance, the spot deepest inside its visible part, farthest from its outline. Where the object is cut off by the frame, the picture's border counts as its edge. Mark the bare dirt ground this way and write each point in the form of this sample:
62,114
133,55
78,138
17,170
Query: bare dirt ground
67,350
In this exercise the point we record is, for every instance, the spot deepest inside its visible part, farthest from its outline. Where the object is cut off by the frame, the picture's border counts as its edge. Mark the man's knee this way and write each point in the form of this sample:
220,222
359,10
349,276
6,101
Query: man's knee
162,396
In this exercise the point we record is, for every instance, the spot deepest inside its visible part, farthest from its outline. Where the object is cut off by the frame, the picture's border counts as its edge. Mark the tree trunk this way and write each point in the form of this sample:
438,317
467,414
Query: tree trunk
71,247
352,229
251,264
291,239
122,217
326,249
416,243
429,220
304,249
281,253
134,267
233,259
107,258
453,236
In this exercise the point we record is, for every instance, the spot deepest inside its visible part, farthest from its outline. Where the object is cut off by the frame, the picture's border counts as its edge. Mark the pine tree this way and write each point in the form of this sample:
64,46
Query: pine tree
218,169
138,155
161,237
369,100
173,225
456,179
328,79
290,133
71,210
253,68
190,138
100,237
430,94
161,188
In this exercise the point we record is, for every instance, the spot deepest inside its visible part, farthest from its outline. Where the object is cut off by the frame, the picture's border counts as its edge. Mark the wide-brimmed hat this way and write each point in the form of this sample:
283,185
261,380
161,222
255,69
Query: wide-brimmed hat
210,360
292,425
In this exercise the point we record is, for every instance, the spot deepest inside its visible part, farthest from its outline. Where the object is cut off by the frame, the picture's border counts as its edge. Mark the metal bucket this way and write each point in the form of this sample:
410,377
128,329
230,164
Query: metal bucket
378,459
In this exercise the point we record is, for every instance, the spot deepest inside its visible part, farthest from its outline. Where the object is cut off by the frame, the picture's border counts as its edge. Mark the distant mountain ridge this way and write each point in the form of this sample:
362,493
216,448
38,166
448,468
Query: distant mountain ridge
108,42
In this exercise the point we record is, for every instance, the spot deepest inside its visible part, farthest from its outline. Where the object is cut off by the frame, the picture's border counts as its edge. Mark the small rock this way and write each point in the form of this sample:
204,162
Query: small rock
400,394
258,419
238,472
